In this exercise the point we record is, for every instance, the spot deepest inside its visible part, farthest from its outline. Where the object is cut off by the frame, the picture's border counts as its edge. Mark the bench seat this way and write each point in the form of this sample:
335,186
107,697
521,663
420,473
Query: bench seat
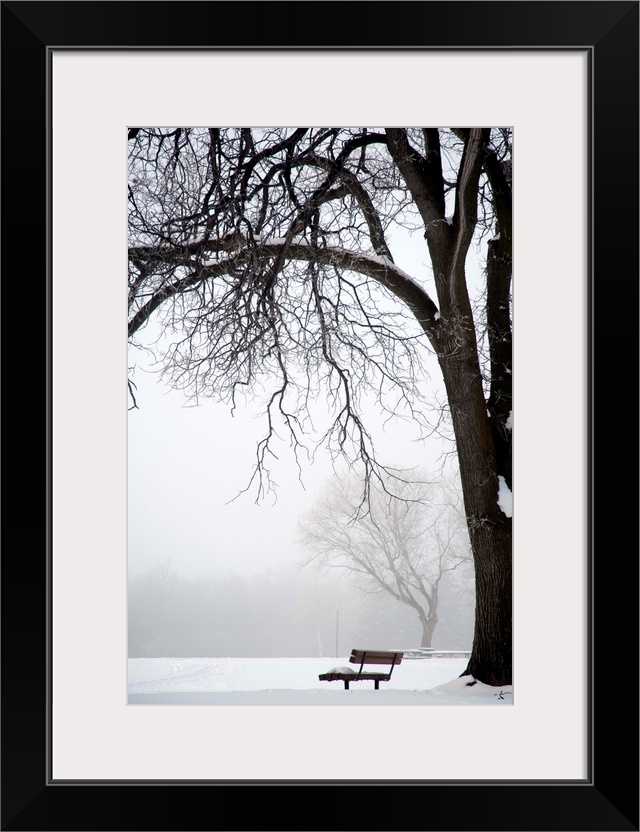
362,657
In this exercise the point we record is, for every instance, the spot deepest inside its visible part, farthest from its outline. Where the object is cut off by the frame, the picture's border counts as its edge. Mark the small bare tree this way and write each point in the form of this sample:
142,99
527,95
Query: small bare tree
404,545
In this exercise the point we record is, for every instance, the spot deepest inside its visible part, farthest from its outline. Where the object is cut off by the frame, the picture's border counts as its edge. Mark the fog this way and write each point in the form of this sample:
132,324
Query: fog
189,467
193,509
277,613
186,464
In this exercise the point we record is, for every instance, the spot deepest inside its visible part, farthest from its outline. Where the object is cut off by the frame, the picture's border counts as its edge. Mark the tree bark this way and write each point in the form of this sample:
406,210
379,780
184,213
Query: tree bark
491,654
489,527
428,629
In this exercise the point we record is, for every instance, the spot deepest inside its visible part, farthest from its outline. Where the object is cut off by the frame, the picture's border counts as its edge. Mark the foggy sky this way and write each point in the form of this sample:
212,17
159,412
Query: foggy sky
186,463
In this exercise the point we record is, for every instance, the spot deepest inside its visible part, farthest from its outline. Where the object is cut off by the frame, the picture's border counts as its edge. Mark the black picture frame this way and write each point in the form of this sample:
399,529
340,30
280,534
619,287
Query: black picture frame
608,799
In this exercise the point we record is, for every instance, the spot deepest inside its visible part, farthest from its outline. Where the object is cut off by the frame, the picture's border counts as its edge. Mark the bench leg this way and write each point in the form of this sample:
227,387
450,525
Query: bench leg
346,685
376,682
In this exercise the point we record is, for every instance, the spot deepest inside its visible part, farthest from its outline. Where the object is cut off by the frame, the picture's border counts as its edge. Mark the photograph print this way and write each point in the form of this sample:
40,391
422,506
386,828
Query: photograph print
320,415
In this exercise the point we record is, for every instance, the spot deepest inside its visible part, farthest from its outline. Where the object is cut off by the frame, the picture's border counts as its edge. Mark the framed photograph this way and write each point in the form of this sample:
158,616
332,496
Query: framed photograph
563,77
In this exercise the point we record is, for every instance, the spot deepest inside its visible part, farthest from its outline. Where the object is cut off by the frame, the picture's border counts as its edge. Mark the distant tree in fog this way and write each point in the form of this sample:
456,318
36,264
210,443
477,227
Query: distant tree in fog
403,547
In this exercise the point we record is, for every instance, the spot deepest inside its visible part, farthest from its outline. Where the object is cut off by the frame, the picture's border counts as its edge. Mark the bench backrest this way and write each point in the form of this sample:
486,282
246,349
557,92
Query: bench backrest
392,657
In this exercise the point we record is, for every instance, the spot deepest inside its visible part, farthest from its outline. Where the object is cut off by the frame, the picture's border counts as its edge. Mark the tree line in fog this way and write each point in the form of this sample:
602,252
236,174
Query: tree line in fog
278,613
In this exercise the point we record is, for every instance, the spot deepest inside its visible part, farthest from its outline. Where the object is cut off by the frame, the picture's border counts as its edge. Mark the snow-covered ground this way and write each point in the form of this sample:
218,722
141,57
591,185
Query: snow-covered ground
294,681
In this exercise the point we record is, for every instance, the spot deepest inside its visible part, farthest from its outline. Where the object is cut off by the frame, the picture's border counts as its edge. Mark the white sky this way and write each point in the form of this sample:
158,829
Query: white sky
186,463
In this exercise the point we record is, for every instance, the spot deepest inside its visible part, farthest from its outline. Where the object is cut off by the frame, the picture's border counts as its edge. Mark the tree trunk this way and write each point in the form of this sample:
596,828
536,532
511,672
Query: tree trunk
490,660
490,529
428,628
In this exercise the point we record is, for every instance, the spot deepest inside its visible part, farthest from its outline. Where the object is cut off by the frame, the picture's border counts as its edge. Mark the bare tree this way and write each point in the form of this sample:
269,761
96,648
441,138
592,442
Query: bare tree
266,257
404,545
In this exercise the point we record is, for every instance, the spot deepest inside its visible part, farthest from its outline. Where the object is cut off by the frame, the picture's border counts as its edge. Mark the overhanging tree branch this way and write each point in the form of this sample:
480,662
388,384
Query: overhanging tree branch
385,273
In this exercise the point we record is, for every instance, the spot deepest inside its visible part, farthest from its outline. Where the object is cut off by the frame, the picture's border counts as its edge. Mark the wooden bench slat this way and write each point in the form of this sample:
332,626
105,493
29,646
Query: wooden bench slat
375,657
354,676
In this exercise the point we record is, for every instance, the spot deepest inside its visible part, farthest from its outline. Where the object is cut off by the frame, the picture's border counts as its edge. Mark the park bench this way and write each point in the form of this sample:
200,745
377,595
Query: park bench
364,657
